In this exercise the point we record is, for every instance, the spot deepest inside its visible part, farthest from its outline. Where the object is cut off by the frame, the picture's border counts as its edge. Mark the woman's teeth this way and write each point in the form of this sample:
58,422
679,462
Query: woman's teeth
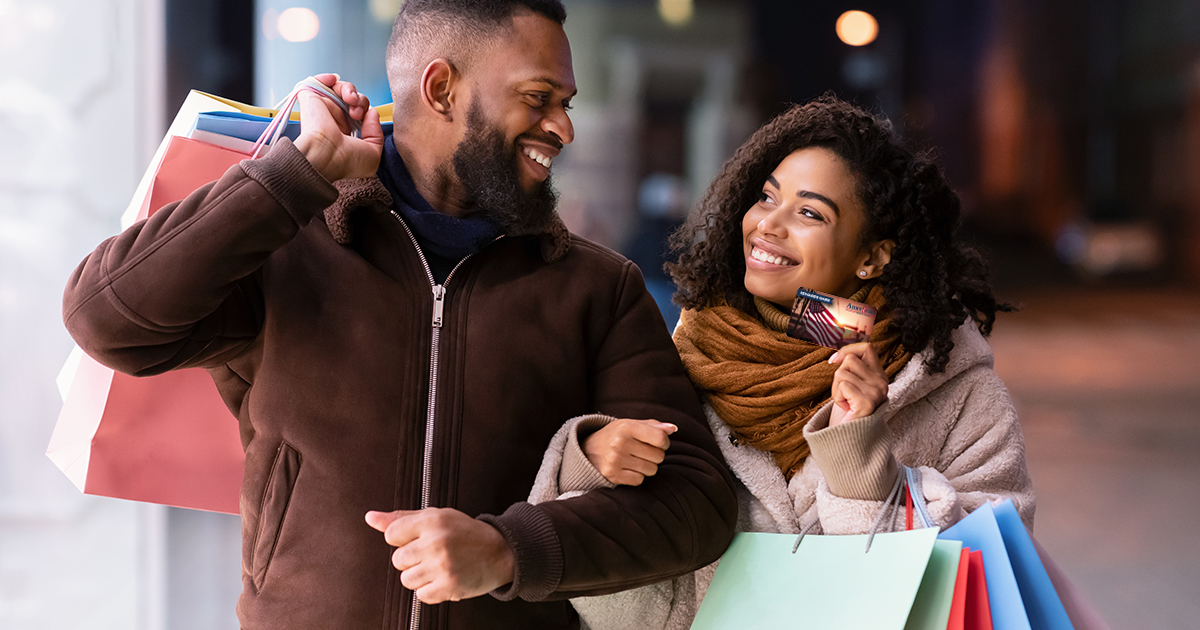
540,158
759,254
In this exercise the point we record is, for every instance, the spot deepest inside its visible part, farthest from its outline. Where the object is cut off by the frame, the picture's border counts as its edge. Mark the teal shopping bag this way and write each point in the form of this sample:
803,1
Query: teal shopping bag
830,583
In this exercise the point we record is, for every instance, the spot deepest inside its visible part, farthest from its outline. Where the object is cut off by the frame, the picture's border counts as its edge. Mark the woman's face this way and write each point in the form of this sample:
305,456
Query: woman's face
804,230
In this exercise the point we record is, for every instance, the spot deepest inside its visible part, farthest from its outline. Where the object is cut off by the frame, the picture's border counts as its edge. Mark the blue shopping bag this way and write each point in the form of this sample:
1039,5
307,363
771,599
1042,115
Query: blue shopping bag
1019,589
246,126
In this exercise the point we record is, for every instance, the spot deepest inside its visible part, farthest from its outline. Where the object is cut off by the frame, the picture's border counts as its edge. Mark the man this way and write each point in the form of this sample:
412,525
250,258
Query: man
402,347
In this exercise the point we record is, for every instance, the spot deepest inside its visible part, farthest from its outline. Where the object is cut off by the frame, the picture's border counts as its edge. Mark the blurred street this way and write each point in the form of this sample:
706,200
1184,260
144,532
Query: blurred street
1107,388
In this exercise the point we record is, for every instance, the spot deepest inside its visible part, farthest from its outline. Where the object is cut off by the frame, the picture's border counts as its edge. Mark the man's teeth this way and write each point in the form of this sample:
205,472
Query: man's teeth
544,160
759,254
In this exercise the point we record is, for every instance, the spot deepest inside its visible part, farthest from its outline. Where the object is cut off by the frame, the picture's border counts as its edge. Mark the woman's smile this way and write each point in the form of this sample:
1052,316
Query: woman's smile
768,258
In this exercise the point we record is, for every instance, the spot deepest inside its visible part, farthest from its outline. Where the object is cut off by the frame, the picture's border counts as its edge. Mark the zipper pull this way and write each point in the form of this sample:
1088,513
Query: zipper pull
439,304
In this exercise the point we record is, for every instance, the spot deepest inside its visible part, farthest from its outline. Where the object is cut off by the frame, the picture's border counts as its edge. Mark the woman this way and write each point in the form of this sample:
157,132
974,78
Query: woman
827,198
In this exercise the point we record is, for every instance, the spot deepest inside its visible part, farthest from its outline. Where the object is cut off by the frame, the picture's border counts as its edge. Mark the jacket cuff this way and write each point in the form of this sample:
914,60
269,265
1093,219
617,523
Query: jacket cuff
577,472
855,457
292,181
537,552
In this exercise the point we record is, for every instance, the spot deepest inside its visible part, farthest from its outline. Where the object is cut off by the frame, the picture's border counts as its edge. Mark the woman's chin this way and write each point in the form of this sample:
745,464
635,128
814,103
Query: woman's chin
774,295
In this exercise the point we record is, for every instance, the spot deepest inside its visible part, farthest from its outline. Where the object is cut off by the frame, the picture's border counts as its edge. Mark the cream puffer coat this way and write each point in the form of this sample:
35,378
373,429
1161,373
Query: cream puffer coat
958,427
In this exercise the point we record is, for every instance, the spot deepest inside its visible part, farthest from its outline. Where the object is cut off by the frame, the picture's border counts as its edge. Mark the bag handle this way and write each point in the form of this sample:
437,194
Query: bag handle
283,113
914,505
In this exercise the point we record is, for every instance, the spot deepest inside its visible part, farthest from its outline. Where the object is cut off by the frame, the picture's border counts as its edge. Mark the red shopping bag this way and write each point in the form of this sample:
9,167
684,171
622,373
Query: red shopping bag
165,439
978,614
970,609
187,165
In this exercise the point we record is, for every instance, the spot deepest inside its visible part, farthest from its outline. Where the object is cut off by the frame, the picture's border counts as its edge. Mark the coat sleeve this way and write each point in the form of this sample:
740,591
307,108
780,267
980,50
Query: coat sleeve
982,459
612,539
180,289
667,605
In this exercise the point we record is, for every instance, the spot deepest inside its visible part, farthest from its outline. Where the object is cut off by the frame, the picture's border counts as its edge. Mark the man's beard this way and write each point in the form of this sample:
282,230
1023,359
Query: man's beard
488,170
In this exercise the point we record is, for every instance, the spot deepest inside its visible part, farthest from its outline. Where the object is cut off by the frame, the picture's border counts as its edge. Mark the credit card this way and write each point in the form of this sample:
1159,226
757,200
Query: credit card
829,320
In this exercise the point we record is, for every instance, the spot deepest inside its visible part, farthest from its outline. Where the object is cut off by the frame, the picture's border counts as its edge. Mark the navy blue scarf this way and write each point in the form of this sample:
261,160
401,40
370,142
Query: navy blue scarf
439,234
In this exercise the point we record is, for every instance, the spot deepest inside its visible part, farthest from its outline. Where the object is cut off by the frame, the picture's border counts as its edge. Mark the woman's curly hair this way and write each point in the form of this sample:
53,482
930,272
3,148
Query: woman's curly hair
932,283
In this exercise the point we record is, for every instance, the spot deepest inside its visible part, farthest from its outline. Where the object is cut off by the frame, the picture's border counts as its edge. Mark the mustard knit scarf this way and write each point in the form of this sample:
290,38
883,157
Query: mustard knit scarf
766,385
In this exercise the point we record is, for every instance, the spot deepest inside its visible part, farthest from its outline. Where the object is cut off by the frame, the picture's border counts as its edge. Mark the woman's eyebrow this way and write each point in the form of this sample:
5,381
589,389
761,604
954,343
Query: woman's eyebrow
807,194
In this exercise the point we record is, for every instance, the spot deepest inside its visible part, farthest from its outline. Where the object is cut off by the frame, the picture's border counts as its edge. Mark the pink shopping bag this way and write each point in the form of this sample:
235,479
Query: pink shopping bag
165,439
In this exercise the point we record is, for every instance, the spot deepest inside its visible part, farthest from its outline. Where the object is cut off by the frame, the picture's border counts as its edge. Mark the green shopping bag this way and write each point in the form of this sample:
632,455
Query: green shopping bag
829,583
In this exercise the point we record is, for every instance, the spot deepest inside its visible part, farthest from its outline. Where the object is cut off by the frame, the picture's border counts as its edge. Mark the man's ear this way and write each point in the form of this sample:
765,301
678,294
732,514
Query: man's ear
879,255
437,85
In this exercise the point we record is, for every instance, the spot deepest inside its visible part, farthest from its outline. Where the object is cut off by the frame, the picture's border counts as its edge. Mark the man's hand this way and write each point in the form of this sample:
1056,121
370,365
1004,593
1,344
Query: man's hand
445,555
627,451
323,132
859,385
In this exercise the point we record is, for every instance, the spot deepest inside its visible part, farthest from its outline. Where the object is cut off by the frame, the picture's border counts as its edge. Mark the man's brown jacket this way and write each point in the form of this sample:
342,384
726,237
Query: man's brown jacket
359,384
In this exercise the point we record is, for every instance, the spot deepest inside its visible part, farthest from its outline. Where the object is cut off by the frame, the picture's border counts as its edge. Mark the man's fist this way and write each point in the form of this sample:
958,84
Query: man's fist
323,129
443,554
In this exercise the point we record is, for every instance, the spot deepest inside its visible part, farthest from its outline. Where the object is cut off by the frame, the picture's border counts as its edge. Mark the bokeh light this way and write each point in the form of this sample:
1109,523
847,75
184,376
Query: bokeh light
676,12
385,11
857,28
298,24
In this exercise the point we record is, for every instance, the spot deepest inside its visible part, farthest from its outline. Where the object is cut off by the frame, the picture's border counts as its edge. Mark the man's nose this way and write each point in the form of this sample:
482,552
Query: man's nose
559,124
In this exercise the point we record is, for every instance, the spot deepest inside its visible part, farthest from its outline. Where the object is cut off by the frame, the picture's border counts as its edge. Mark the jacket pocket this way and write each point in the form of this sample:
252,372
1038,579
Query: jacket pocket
276,496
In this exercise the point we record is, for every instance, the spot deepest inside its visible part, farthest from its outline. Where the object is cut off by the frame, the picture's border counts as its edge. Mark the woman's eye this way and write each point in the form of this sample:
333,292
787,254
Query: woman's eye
812,214
762,197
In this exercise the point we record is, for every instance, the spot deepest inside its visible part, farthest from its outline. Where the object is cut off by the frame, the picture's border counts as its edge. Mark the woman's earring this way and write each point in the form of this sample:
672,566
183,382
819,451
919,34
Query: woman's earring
862,273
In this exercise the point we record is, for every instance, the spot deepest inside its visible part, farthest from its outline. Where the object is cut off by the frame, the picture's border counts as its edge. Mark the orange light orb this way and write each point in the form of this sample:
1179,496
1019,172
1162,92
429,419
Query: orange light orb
857,28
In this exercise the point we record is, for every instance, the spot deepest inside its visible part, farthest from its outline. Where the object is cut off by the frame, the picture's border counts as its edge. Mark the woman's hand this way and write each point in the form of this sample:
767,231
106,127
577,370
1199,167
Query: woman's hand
627,451
859,385
323,132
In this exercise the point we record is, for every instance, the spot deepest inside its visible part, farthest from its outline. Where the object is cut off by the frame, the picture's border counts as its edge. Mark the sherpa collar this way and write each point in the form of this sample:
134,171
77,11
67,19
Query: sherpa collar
370,193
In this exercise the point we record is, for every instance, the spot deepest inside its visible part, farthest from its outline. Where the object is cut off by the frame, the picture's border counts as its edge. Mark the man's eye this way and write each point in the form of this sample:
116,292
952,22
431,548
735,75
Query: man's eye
567,106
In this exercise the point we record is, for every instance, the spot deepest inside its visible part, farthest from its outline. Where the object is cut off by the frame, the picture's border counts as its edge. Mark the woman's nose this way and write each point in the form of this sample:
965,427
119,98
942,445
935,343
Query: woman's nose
771,223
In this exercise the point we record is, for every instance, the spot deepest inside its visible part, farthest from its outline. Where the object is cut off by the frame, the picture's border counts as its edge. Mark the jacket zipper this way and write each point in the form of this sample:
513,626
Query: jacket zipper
439,308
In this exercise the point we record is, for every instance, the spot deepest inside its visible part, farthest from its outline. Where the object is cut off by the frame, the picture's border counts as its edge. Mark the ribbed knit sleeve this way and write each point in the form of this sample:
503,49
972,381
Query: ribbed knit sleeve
577,472
855,457
537,552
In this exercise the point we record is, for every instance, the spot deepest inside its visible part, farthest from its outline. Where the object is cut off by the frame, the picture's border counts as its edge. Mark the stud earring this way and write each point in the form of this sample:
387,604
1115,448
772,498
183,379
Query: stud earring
862,273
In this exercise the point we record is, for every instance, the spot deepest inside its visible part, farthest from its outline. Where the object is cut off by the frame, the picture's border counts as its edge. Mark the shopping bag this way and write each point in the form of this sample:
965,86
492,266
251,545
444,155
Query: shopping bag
240,125
195,103
169,438
198,102
979,531
1042,604
166,439
219,127
958,605
829,582
978,612
970,611
931,608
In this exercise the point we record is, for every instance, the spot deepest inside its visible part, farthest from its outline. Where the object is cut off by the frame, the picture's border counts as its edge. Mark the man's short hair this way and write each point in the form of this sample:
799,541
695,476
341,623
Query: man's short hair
456,30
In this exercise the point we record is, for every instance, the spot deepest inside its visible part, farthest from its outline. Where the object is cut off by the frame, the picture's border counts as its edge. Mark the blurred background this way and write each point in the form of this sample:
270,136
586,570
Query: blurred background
1071,129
